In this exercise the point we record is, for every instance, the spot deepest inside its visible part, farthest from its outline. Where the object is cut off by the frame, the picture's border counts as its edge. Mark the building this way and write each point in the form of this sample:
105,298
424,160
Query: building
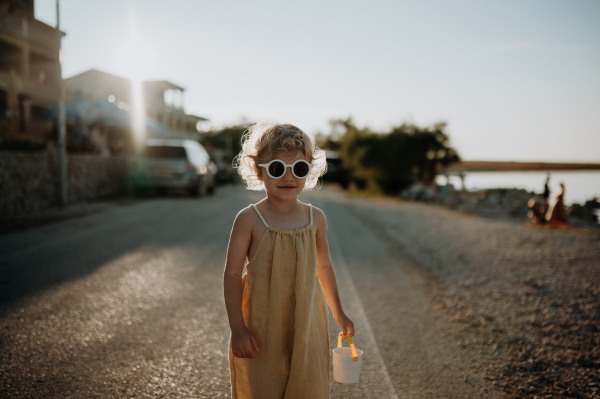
102,102
98,113
29,65
96,85
164,104
96,101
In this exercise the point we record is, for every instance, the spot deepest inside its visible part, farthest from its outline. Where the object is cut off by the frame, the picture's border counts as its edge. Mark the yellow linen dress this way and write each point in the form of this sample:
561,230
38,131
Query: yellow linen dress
284,306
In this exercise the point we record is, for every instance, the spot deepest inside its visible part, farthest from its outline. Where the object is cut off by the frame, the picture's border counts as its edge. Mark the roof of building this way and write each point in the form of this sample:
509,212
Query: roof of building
197,118
98,73
164,84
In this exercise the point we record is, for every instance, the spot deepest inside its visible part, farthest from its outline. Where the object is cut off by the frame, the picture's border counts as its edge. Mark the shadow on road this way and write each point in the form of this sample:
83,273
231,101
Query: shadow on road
38,259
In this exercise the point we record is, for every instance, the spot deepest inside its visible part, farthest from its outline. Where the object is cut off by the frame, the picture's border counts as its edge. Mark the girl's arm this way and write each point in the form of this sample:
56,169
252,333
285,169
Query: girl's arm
242,340
327,275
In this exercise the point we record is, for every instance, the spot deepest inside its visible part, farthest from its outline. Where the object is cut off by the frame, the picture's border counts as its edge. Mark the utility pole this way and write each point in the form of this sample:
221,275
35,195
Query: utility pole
61,120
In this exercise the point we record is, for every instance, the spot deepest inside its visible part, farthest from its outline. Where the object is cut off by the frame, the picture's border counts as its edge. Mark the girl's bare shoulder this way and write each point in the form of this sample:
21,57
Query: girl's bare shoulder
319,219
246,218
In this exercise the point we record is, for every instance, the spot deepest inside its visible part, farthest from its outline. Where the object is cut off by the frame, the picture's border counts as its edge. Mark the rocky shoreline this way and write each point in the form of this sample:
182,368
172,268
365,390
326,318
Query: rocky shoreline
524,302
498,203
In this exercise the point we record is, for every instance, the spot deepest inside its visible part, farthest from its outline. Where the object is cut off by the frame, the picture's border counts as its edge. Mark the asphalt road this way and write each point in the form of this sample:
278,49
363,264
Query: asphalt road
128,303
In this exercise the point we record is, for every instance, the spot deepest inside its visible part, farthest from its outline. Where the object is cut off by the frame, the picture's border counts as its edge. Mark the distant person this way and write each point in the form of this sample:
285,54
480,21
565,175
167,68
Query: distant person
536,211
557,214
546,193
279,345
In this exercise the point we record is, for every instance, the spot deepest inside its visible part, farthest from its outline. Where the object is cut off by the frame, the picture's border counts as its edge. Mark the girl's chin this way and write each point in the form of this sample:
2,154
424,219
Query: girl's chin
285,192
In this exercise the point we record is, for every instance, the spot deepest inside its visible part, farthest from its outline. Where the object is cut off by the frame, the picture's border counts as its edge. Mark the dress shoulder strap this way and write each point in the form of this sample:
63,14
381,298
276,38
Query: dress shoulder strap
263,219
311,213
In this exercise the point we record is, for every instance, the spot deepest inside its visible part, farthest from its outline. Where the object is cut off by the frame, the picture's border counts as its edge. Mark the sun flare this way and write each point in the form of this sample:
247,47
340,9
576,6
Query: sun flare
137,62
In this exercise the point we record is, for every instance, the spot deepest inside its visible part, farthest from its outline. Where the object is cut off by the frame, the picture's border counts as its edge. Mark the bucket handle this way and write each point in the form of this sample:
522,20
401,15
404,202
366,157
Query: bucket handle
349,338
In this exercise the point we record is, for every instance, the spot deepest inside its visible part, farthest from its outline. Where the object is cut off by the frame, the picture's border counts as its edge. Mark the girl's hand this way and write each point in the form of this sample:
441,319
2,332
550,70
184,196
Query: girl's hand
243,343
345,324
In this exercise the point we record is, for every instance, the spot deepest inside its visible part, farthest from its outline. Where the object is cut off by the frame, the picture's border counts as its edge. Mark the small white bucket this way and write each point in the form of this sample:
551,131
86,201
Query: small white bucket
346,362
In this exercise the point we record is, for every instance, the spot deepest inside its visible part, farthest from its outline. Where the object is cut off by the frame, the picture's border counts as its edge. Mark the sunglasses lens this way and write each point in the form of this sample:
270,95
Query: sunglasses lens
277,169
301,169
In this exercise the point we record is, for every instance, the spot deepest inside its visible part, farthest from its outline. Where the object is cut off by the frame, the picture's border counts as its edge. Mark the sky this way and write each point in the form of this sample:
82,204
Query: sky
514,80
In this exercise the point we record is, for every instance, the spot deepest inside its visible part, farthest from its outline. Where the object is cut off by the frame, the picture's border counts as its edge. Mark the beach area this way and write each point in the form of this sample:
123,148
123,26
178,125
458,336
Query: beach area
522,302
508,195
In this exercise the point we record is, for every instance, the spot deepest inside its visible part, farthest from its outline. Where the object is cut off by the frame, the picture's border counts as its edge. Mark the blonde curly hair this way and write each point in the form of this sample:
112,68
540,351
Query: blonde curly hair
262,140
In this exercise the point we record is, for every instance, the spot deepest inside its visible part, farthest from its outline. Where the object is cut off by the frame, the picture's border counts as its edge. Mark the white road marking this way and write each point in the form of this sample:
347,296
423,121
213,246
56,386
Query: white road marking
360,317
68,238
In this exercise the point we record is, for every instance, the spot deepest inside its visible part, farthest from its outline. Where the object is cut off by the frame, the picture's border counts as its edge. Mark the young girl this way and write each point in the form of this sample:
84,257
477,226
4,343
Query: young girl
279,346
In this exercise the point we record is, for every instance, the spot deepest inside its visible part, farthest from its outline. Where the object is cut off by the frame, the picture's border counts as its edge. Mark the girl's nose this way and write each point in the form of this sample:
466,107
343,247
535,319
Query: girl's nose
288,174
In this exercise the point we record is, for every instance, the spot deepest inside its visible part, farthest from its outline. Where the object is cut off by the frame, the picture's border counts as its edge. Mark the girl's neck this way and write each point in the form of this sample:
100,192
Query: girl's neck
281,205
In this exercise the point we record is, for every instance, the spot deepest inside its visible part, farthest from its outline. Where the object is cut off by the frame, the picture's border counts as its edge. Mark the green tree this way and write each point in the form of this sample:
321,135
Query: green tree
389,162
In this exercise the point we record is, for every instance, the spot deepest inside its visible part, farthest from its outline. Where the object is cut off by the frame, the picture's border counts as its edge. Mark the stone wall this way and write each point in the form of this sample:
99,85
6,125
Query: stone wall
29,181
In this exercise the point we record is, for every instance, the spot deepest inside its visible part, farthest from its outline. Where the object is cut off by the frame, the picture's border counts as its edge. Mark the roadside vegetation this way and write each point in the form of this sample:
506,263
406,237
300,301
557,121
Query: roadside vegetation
389,162
377,162
228,140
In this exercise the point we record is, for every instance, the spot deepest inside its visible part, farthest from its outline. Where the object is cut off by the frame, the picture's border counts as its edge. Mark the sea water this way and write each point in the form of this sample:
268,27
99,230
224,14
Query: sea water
580,186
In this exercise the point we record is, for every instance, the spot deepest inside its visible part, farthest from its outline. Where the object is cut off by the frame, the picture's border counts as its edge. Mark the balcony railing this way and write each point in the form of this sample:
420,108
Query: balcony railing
44,93
44,37
6,82
13,26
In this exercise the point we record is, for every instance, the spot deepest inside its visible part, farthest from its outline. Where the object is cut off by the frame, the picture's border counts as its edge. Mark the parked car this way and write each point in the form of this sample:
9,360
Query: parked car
225,172
336,172
165,164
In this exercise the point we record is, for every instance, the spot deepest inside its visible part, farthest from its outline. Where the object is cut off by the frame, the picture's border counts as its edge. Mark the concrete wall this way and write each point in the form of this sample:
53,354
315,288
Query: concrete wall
29,181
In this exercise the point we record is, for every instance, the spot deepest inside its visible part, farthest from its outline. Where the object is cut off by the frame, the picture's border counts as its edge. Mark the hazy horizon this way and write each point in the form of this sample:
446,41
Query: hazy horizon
513,80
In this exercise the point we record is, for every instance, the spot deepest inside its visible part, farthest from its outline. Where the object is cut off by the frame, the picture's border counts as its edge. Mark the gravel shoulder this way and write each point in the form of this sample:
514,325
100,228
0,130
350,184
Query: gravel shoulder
524,303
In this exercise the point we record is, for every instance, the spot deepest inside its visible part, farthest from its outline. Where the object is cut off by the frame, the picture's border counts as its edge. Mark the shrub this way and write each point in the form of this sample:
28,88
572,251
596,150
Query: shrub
390,162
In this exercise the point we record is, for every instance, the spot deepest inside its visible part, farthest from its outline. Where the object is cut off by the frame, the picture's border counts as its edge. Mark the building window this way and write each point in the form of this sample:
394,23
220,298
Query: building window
23,100
37,112
3,103
10,59
41,68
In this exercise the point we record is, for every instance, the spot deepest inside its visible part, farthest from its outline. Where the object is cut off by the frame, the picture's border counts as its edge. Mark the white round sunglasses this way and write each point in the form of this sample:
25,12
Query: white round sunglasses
276,168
